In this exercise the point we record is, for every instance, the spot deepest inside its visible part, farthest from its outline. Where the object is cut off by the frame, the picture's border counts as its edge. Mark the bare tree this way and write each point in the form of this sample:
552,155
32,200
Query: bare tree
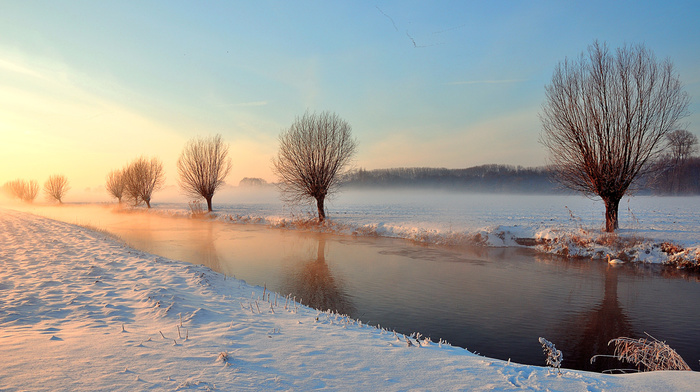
56,187
115,184
203,166
31,190
682,145
313,153
23,190
605,118
142,177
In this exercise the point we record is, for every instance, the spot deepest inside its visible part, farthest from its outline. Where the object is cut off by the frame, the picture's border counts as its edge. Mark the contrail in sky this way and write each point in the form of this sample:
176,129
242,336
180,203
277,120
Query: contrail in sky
389,17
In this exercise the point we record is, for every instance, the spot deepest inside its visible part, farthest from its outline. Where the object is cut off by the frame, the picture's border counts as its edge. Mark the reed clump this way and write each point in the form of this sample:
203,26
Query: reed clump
647,354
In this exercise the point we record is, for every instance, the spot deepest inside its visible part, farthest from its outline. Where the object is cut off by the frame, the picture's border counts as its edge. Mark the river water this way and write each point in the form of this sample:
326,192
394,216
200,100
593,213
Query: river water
496,302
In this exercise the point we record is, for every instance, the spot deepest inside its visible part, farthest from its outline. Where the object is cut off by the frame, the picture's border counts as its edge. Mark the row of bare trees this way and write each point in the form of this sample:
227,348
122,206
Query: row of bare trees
136,182
313,153
55,188
202,167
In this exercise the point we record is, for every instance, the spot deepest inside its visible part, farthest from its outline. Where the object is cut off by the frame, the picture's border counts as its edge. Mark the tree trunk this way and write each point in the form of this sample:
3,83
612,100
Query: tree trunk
321,209
208,203
148,203
611,206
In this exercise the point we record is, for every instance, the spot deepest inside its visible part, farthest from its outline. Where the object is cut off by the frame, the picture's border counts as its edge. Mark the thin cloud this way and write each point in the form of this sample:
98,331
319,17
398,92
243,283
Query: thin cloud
247,104
20,69
487,81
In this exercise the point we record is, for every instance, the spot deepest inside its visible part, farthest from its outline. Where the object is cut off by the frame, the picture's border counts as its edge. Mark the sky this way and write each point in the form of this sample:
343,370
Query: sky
87,86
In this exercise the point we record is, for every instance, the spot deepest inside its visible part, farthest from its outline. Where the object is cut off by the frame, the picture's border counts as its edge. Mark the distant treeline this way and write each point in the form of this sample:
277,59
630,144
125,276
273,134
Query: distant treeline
485,178
681,180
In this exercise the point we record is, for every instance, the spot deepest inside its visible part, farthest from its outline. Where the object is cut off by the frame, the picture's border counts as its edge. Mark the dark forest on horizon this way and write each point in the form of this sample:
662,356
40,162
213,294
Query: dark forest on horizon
495,178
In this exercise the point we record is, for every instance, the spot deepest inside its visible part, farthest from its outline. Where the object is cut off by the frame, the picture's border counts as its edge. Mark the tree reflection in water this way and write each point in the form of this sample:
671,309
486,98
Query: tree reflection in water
314,284
588,333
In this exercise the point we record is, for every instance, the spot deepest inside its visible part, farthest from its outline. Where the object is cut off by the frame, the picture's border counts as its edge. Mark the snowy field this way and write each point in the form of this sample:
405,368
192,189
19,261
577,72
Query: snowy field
82,312
567,225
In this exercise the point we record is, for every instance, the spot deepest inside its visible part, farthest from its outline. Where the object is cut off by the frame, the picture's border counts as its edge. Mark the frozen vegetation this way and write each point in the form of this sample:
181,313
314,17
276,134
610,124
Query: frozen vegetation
83,312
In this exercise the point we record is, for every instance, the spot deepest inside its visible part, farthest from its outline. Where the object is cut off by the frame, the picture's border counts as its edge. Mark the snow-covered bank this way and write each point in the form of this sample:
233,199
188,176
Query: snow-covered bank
653,229
81,311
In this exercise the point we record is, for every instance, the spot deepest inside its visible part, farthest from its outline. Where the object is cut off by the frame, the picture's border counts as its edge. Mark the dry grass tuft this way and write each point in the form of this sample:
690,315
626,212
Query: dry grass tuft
651,354
196,208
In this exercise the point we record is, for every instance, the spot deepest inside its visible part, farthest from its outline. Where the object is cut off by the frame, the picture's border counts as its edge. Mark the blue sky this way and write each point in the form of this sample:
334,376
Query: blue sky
86,86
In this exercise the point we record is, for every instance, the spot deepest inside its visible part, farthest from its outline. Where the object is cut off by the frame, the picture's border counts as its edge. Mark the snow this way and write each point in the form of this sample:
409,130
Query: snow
565,225
83,312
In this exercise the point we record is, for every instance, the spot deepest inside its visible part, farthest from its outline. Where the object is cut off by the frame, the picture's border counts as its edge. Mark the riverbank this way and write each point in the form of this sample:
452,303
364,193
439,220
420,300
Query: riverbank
662,230
83,312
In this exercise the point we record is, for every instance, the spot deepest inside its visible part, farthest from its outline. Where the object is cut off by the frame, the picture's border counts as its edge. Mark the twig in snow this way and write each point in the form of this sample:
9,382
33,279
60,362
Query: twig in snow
554,356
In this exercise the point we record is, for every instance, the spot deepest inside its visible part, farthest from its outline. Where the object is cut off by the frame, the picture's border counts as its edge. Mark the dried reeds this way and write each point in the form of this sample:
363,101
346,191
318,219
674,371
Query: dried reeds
196,208
652,354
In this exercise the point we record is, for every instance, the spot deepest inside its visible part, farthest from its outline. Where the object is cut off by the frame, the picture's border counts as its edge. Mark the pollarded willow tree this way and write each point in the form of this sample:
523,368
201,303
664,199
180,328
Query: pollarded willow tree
56,187
312,155
141,178
203,166
115,184
605,119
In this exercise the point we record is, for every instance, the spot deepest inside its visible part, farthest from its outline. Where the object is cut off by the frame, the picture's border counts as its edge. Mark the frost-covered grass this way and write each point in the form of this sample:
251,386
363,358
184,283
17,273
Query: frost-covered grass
80,311
652,229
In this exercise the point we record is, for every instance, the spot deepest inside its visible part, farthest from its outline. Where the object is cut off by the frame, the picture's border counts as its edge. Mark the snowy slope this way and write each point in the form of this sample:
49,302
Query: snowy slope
82,312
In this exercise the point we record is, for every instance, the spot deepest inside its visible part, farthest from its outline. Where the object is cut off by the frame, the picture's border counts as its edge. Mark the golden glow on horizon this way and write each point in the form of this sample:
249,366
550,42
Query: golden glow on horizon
50,125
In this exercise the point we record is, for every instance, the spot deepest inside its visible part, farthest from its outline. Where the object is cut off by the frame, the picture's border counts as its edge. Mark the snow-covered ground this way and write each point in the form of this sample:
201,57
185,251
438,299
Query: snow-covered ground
82,312
652,229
